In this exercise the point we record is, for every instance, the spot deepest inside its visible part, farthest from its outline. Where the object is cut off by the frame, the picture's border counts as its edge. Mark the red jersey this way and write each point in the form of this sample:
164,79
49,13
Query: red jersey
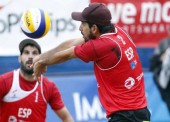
117,69
26,101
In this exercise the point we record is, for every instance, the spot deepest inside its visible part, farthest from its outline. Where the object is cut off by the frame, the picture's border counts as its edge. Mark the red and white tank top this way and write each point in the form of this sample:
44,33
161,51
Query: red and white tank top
24,106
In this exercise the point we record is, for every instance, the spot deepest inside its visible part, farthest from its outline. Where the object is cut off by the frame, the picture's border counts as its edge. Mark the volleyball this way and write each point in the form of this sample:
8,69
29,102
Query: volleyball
35,23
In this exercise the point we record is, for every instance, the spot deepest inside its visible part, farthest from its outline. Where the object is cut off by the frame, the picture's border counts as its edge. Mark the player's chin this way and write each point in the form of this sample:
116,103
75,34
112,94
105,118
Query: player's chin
85,38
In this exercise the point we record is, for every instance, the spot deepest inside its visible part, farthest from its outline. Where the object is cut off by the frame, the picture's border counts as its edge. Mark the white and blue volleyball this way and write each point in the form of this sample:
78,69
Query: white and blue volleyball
35,23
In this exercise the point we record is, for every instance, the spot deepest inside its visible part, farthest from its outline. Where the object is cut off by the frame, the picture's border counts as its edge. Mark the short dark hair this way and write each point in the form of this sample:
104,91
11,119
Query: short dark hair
103,28
27,42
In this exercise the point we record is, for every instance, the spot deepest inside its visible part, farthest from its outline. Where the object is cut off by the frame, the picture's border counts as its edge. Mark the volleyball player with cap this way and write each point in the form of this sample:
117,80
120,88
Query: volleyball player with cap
117,67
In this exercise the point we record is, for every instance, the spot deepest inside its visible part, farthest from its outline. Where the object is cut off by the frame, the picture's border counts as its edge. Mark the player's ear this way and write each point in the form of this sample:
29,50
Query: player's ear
19,59
95,29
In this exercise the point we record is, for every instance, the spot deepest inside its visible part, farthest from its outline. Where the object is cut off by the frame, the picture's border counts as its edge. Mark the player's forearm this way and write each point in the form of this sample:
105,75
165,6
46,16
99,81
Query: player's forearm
59,57
68,120
65,45
64,115
69,43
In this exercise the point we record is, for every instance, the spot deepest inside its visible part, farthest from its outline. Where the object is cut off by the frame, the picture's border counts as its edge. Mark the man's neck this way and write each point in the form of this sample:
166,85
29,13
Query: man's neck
28,77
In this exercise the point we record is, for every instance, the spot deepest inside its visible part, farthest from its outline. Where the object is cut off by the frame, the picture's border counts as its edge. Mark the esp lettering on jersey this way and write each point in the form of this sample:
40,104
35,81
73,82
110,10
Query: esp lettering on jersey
24,112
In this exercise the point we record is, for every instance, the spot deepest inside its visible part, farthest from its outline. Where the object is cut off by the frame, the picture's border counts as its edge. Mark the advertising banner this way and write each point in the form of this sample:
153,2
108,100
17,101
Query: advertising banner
145,20
62,26
80,96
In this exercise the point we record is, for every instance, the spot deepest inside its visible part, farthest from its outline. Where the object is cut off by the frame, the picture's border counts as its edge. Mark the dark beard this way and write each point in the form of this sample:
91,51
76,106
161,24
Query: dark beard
91,36
25,70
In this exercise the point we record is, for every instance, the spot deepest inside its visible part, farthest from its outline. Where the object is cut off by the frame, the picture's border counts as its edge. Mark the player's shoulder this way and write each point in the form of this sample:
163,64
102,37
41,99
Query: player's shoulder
48,82
7,75
49,85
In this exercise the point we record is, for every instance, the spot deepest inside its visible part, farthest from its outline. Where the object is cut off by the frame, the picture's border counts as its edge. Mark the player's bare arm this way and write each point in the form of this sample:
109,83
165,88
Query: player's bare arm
42,60
64,115
55,58
62,46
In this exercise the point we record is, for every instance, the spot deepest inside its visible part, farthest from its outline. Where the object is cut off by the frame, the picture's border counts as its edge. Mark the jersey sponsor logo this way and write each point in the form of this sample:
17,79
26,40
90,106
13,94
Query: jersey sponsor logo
140,77
133,64
24,112
129,83
12,119
13,96
14,91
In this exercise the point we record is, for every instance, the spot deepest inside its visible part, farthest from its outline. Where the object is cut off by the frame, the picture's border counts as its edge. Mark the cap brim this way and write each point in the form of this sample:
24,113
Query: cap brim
28,42
78,16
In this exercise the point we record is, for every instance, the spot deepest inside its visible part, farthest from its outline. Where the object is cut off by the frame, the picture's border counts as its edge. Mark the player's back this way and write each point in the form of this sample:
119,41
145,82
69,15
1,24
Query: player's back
121,86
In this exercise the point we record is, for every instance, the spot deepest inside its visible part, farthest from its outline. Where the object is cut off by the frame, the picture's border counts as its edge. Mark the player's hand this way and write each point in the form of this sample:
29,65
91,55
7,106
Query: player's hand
39,67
